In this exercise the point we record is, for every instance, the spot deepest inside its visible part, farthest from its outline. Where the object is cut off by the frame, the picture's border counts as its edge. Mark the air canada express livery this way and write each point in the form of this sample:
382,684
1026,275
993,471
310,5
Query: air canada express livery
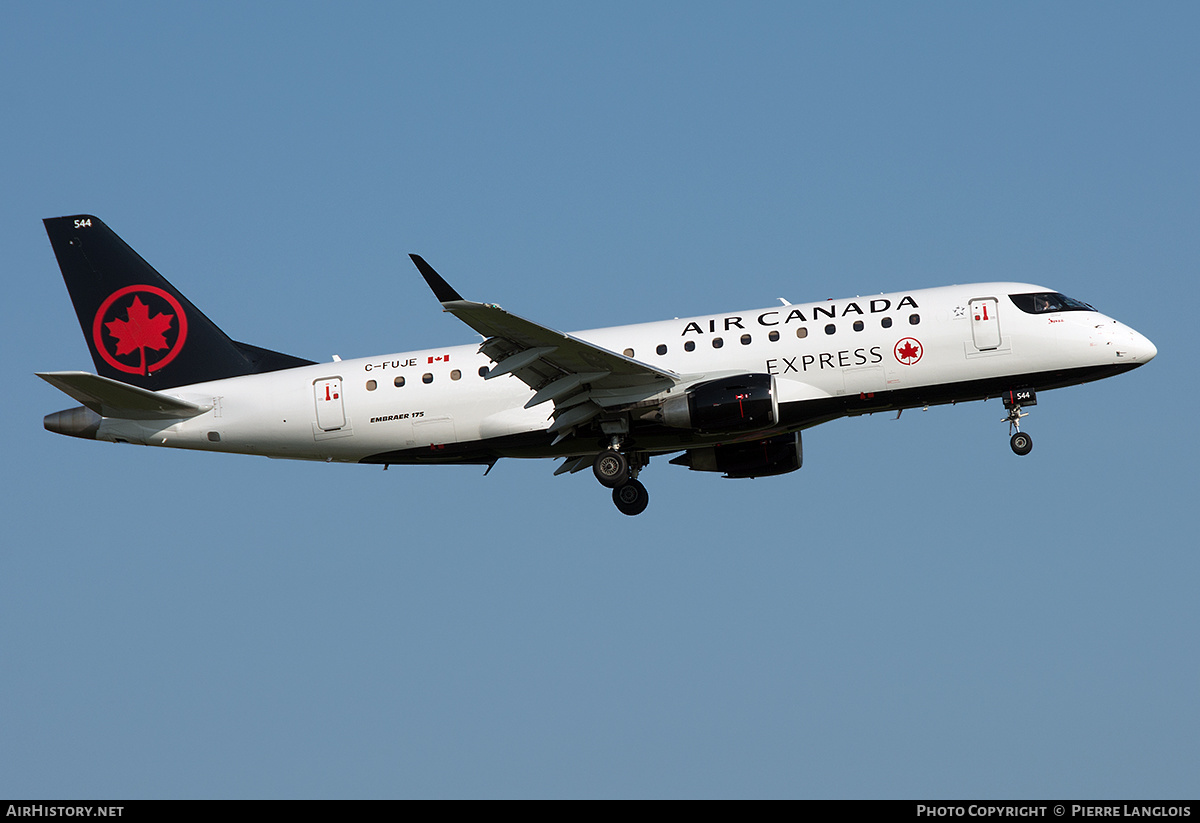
728,393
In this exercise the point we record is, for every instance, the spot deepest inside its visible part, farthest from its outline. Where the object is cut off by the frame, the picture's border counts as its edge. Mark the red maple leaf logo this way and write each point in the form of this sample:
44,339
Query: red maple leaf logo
908,351
139,331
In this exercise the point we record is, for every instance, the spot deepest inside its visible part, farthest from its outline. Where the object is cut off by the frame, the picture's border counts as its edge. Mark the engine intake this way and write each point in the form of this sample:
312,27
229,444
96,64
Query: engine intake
727,405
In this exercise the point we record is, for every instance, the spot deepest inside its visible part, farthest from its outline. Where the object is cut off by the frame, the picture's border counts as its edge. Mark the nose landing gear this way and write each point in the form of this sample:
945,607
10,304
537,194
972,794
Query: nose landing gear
1020,441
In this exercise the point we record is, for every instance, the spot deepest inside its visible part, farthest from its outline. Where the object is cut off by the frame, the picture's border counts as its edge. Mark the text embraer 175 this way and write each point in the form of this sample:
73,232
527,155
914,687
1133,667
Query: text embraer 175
732,392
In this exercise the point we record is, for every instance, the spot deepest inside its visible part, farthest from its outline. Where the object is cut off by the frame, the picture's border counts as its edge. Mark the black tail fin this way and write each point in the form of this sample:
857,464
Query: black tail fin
139,328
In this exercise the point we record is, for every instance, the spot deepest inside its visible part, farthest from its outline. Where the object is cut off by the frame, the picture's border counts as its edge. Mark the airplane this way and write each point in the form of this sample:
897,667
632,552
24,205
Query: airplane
729,392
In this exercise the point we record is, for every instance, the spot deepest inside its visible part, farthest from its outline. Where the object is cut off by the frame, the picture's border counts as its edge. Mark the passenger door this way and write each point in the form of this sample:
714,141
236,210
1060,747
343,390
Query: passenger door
331,413
985,323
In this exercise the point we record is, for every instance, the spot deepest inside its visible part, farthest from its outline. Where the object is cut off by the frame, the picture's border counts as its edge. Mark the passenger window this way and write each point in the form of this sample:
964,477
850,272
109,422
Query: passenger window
745,340
886,322
773,336
628,352
662,348
427,378
914,319
371,384
802,332
689,345
858,325
455,375
483,370
718,342
830,329
399,381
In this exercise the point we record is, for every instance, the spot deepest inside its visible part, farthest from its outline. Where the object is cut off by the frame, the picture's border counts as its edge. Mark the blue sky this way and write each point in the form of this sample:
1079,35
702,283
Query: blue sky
916,613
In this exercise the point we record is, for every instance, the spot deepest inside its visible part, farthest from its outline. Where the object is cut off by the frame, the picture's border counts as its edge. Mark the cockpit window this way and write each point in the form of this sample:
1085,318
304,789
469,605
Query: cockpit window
1047,301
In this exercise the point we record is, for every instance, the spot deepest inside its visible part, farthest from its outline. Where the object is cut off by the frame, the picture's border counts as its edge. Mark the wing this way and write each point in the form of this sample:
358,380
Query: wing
583,380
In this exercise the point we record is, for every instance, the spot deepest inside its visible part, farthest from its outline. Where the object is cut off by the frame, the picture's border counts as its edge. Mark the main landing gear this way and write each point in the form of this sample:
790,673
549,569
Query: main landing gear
611,468
1021,442
616,471
631,498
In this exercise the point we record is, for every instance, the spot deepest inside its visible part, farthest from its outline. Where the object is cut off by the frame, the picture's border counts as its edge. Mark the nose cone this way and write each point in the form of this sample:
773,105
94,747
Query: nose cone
1141,350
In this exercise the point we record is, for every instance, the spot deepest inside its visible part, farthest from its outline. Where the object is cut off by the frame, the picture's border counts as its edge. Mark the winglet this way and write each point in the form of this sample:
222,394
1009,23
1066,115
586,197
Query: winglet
441,289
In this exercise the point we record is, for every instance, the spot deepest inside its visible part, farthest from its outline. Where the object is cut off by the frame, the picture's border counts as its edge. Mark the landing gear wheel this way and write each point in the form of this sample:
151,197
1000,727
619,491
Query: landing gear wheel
1021,443
611,468
631,498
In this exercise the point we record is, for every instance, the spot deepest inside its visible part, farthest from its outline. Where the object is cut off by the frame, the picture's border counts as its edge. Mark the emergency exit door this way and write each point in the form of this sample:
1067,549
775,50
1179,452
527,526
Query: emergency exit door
985,323
331,415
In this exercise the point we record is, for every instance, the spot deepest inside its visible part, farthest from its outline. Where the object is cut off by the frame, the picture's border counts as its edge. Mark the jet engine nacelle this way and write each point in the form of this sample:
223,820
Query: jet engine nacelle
755,458
727,405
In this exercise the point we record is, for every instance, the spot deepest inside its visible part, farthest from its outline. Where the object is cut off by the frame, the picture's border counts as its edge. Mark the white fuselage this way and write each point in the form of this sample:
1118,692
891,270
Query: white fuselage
884,351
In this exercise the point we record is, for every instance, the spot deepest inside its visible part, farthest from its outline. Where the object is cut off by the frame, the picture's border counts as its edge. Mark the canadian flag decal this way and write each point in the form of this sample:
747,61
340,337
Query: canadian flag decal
441,358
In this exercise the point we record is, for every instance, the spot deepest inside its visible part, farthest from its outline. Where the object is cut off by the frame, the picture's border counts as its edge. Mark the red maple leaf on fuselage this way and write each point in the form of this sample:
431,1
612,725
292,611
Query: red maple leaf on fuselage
908,351
139,331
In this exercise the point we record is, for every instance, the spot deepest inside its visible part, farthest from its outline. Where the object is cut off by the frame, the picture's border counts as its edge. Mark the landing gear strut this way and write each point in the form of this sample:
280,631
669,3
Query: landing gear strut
1020,442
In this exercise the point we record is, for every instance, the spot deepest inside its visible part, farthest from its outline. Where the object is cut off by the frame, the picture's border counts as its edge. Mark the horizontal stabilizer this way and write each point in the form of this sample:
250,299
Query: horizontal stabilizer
112,398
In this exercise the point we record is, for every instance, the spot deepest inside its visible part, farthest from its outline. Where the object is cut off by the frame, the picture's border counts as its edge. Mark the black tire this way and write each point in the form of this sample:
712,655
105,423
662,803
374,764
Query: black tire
611,468
631,498
1021,443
